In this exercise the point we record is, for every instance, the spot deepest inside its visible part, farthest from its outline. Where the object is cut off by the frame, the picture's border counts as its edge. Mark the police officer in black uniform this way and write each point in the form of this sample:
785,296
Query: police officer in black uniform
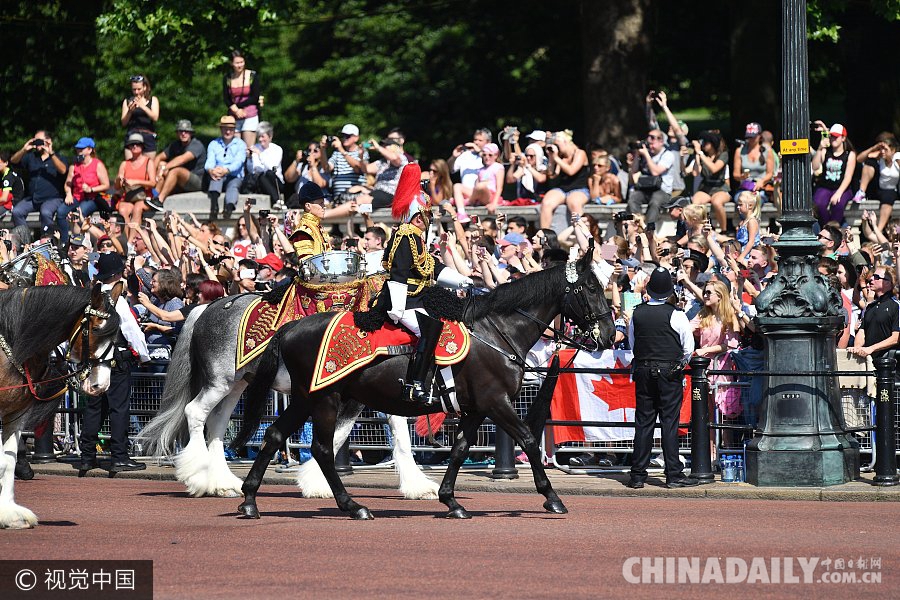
117,398
662,341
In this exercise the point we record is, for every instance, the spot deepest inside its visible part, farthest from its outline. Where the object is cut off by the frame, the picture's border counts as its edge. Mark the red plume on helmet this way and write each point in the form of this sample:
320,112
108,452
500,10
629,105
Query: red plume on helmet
408,199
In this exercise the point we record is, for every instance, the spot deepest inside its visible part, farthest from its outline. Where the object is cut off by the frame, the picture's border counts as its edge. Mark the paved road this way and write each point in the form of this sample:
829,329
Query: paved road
305,548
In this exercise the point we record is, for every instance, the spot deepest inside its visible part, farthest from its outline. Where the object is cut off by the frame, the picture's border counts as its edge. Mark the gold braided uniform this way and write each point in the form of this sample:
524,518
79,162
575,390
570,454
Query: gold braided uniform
308,238
407,261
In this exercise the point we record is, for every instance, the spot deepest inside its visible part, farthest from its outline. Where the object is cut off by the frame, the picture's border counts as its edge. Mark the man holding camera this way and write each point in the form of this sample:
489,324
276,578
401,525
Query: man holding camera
466,158
651,173
178,168
47,173
662,341
347,165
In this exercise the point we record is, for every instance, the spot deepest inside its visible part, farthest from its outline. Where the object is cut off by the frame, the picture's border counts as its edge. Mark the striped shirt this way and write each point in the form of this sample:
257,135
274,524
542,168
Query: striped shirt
343,177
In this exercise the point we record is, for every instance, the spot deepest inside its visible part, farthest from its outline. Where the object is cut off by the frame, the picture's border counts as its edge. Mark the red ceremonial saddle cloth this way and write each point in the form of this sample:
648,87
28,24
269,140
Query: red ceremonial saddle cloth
345,347
262,319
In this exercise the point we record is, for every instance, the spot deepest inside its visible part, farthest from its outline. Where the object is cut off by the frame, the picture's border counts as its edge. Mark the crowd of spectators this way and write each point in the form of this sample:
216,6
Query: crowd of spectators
664,188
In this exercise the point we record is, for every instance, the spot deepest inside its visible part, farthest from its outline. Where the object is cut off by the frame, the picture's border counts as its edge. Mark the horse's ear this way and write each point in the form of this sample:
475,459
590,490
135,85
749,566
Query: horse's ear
585,262
97,295
116,291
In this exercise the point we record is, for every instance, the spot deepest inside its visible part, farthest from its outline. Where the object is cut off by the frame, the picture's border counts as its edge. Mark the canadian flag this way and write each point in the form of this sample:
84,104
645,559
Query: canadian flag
596,397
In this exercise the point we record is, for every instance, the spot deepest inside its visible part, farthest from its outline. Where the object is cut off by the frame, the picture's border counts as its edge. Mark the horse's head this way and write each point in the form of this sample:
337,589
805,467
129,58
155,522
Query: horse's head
585,303
93,342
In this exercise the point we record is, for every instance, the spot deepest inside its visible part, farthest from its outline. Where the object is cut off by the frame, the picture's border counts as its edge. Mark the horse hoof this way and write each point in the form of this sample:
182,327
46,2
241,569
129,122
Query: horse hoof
361,514
249,510
459,513
556,507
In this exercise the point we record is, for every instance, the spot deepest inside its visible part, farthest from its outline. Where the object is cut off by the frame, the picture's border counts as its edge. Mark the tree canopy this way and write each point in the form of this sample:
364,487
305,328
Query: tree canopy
437,68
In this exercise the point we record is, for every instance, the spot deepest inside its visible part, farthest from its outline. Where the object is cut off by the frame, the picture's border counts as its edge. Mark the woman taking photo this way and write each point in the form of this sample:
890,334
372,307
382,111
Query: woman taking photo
568,173
86,180
886,157
527,172
488,187
711,158
134,184
754,165
140,112
833,163
240,89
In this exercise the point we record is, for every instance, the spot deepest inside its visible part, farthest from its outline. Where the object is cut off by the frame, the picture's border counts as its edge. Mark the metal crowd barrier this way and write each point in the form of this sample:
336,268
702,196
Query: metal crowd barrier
864,416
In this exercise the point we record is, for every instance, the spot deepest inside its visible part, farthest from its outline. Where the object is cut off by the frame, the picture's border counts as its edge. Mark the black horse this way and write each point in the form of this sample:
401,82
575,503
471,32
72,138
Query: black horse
506,323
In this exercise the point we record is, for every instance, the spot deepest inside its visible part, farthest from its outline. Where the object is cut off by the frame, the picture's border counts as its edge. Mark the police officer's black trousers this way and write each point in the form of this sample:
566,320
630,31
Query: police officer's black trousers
115,402
656,394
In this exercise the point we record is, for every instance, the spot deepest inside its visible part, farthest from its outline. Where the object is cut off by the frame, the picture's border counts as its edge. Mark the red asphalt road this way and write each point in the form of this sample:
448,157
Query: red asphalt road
307,549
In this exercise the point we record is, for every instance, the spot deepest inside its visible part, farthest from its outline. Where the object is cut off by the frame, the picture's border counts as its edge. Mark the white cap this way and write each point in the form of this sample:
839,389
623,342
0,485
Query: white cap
537,135
838,130
350,129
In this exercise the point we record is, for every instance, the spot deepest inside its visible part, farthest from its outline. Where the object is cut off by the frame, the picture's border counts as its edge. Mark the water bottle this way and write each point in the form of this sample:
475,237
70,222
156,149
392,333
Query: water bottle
739,469
728,469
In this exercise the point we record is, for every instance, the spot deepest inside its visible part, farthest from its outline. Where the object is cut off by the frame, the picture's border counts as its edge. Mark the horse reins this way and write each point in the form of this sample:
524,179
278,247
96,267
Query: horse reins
73,377
589,316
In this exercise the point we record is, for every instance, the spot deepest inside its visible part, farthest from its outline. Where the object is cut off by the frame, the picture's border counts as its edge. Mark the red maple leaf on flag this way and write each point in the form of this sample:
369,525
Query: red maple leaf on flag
616,391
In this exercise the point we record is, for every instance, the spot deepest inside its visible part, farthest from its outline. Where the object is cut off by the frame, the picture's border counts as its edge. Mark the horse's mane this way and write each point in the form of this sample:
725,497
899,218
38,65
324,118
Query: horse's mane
529,290
37,319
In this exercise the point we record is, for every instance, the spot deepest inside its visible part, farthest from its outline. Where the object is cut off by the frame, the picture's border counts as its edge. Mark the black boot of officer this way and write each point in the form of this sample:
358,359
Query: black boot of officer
417,385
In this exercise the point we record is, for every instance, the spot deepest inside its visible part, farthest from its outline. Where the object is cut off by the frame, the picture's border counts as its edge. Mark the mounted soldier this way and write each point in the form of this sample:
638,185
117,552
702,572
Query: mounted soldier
411,271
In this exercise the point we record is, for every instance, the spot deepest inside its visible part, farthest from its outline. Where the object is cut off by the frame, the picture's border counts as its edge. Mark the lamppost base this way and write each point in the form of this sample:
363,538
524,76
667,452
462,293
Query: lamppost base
886,481
802,468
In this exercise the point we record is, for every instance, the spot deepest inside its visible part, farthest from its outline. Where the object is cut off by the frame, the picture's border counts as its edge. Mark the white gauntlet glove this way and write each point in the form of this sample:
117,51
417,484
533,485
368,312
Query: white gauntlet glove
451,278
398,292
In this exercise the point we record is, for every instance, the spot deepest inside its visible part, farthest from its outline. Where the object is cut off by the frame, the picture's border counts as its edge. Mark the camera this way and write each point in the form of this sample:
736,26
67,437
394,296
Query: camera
79,159
623,216
425,184
251,201
654,94
216,259
264,214
38,143
330,139
637,145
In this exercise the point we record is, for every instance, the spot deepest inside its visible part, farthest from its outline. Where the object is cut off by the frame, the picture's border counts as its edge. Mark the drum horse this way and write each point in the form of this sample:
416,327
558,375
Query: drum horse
33,322
505,324
204,382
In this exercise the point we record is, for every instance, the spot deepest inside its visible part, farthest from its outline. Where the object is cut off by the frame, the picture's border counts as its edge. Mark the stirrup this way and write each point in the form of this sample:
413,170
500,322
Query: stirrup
413,392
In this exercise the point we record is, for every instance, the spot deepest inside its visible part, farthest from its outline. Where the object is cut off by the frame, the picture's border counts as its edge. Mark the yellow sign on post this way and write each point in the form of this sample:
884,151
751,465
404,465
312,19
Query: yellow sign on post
795,146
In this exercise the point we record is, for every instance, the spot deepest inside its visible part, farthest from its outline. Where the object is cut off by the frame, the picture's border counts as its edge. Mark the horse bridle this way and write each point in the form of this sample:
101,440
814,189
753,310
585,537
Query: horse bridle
589,316
579,288
84,366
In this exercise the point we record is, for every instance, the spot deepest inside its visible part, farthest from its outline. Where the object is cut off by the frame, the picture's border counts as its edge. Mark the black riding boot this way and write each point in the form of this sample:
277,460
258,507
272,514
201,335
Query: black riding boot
418,378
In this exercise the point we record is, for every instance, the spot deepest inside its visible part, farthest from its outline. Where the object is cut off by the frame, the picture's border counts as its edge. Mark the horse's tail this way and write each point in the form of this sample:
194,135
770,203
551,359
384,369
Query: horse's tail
539,411
169,427
256,395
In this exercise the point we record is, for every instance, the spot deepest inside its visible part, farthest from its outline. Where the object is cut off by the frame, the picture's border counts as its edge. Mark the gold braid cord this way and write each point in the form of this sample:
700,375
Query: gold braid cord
423,263
310,224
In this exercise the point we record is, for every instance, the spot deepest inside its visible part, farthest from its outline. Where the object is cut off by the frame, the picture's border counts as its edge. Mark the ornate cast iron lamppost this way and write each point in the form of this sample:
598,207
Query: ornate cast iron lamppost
800,440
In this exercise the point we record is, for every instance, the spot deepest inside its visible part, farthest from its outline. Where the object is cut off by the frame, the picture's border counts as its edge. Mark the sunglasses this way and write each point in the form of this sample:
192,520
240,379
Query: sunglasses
106,245
134,145
654,137
709,293
180,131
878,277
137,78
823,237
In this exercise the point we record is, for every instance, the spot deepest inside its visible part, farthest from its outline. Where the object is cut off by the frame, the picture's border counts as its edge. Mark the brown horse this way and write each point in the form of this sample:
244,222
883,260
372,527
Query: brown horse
33,322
